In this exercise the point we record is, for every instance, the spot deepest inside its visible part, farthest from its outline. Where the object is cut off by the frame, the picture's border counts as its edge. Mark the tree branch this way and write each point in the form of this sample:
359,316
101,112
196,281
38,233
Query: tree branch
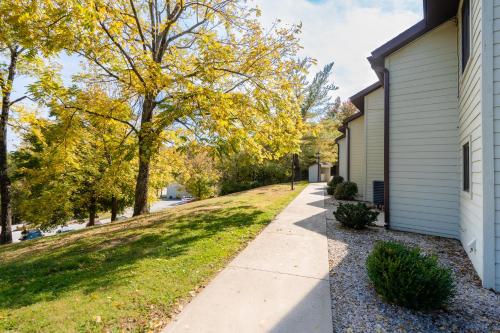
18,100
121,49
139,28
132,127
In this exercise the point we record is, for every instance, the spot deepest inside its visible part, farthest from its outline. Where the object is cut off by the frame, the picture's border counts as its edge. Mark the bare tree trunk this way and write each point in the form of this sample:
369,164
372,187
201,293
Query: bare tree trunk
92,211
145,146
114,208
5,208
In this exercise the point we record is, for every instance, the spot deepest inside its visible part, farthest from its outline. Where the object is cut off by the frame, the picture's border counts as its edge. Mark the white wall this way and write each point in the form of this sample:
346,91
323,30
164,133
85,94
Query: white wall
313,173
423,134
374,127
357,151
470,130
343,158
326,174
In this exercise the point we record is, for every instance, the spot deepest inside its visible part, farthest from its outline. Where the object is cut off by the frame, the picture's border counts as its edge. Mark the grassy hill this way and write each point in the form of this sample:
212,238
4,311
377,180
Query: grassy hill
132,275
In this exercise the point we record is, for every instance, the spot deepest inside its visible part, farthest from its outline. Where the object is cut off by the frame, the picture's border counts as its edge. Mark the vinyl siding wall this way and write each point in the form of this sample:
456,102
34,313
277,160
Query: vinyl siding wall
357,150
470,130
343,158
374,127
424,138
496,104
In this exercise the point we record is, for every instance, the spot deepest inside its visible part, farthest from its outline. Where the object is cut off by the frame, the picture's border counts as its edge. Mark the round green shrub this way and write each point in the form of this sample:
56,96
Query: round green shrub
335,181
346,191
332,184
339,192
404,276
355,216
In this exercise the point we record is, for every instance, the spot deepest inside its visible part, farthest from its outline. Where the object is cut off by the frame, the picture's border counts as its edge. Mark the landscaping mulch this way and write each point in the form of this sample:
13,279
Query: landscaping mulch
357,308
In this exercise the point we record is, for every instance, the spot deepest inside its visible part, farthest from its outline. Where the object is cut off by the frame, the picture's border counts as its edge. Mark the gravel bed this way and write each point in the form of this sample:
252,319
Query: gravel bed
357,308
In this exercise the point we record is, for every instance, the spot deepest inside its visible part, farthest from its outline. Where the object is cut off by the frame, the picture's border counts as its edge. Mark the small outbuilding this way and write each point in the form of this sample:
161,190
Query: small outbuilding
176,191
320,173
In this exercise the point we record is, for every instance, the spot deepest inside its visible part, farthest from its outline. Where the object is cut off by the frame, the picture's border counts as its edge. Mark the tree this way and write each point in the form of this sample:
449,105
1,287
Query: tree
41,178
315,101
103,153
316,95
241,171
340,111
82,160
321,134
27,29
164,167
200,175
179,58
321,139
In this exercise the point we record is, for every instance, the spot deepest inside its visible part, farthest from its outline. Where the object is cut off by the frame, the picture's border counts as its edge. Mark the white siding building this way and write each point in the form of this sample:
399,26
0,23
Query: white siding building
342,156
432,129
370,103
374,132
352,152
325,172
176,191
361,147
356,138
424,136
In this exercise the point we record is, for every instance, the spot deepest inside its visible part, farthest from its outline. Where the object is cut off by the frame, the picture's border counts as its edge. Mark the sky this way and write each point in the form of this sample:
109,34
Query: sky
345,32
340,31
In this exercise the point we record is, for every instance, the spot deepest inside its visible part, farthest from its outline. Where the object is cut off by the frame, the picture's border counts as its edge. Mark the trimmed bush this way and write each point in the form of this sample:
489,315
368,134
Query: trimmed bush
333,184
346,191
339,192
335,181
406,277
355,216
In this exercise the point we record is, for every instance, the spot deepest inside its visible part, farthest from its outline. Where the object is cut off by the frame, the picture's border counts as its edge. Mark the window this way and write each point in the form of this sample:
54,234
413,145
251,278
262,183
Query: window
465,33
466,167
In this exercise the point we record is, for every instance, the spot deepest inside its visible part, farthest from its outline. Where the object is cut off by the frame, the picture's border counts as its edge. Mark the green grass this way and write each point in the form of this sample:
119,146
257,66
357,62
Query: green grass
132,275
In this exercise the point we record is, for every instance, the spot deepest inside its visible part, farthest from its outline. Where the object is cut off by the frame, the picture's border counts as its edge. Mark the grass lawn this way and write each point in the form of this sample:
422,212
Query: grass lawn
132,275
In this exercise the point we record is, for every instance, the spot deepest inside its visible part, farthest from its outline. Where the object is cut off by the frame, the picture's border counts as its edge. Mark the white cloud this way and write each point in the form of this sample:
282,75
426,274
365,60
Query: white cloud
344,32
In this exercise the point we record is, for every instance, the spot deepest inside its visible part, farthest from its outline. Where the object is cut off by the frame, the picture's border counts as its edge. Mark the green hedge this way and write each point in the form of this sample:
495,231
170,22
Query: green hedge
355,216
346,191
406,277
332,184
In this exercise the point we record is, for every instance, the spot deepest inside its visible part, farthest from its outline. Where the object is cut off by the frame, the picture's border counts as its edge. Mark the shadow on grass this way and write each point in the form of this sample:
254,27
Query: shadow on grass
104,259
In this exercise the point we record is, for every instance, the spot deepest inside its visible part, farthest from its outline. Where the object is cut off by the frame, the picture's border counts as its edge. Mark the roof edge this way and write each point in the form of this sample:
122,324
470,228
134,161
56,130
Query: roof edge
435,14
348,120
340,138
359,98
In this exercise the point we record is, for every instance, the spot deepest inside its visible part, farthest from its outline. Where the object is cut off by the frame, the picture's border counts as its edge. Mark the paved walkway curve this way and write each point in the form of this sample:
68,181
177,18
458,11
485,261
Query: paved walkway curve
278,284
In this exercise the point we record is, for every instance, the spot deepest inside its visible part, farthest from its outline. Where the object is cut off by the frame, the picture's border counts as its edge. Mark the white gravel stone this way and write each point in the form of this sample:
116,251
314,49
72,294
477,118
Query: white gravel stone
357,308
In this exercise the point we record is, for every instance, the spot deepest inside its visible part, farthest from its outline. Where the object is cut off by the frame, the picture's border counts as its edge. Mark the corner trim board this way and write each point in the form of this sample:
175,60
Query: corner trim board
487,104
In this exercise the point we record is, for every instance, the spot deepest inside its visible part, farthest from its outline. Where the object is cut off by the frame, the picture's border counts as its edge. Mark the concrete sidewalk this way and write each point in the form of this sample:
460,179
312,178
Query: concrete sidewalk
278,284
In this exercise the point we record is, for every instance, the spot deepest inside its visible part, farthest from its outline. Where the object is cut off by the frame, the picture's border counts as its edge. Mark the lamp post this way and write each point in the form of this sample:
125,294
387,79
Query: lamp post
295,166
319,166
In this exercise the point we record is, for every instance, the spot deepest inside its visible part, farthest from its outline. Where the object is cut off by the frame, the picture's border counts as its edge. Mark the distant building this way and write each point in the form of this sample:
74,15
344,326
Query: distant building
325,170
176,191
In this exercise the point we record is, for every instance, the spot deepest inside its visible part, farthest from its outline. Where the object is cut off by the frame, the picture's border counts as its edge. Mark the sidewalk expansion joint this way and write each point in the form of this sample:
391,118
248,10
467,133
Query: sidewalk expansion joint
284,233
280,273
